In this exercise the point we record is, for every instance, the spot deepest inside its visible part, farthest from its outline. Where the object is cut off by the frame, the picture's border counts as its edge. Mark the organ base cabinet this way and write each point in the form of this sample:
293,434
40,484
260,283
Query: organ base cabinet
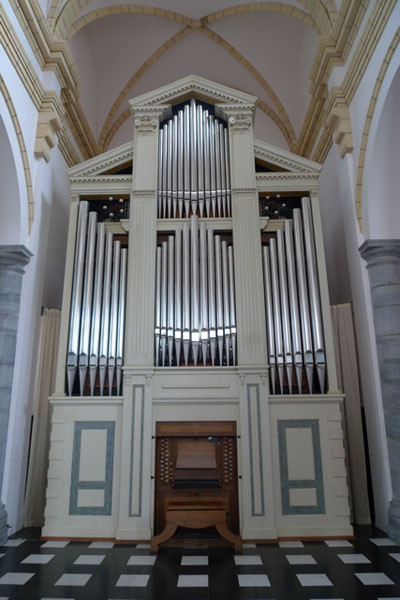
196,364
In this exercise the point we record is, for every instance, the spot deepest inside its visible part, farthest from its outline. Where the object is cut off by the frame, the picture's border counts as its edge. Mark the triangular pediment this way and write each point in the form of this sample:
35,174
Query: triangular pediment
282,160
193,86
104,164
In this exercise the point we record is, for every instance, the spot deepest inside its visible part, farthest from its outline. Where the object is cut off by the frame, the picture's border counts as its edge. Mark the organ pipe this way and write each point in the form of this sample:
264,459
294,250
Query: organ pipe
95,340
195,305
293,309
193,167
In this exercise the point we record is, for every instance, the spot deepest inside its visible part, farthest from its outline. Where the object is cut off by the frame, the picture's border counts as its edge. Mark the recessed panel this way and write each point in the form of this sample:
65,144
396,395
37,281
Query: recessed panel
300,454
92,460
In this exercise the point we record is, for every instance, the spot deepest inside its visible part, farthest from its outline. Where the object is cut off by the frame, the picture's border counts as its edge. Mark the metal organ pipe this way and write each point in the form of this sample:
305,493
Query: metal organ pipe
96,333
293,309
193,170
195,305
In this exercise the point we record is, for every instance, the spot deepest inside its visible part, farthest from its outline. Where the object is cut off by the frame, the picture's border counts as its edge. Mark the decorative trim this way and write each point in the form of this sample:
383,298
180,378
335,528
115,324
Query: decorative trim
100,179
49,122
105,485
286,484
103,162
257,433
138,476
285,160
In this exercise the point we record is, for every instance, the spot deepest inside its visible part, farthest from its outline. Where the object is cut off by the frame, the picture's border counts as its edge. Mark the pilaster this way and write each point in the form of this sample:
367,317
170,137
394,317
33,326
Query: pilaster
250,312
383,263
13,259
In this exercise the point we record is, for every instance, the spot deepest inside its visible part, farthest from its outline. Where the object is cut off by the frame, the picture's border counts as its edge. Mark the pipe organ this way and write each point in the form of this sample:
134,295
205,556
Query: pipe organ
196,299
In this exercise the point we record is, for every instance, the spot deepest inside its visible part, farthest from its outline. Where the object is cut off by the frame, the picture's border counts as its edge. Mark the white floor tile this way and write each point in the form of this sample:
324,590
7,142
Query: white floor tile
249,546
141,560
314,579
354,559
132,581
142,546
90,559
338,543
301,559
395,555
13,543
382,542
193,581
389,598
374,579
248,559
190,561
78,579
55,544
102,545
54,599
291,544
37,559
1,556
15,578
254,581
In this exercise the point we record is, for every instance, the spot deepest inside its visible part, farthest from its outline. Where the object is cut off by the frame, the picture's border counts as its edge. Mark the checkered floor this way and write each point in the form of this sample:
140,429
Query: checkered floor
366,568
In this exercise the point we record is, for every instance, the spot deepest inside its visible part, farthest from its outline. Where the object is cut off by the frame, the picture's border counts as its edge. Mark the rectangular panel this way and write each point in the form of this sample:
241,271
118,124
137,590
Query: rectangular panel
297,478
92,461
136,474
89,498
300,453
86,433
256,469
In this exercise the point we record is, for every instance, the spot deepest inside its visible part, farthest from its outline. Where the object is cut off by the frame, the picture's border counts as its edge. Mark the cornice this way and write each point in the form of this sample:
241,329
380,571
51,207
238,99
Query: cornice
285,160
103,162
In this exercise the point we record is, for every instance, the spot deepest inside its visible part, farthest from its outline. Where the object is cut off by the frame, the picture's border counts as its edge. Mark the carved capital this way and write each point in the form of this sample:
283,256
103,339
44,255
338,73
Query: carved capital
147,118
239,116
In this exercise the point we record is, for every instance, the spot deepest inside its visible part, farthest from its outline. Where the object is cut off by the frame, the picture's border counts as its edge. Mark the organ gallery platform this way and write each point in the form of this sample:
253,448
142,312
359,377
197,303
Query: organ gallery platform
196,366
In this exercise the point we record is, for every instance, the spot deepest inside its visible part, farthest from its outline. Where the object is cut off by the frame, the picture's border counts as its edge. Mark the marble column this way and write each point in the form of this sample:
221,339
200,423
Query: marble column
383,263
12,262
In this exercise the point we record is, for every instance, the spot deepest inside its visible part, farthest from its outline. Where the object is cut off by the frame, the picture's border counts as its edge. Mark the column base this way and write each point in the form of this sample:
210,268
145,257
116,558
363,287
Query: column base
394,521
3,523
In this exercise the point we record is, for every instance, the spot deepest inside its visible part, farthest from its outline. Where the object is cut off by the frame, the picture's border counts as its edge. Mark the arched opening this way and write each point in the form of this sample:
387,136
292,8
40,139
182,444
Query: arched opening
382,182
10,222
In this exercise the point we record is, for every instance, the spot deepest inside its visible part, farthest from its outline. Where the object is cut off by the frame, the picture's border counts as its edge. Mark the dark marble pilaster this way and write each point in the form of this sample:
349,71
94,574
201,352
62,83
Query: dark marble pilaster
12,262
383,263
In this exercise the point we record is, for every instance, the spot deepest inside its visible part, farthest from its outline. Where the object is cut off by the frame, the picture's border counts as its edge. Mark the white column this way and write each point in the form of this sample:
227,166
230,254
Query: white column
250,311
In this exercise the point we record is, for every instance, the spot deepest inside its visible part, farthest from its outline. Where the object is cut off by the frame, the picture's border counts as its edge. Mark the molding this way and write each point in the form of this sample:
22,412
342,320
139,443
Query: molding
284,159
102,184
103,162
339,121
49,122
209,90
287,182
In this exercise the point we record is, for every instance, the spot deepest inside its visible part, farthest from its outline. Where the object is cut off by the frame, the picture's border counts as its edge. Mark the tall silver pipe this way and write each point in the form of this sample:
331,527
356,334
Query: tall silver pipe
195,333
225,294
105,313
200,158
207,167
86,312
277,312
193,157
76,297
220,309
313,288
211,295
186,292
303,298
218,167
180,163
164,278
171,291
232,303
270,317
170,168
294,303
186,170
157,319
178,295
160,173
165,171
227,174
174,166
121,318
223,175
97,300
213,167
287,338
112,342
204,334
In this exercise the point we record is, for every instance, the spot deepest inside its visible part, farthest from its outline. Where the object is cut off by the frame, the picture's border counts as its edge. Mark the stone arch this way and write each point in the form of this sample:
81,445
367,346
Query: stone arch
370,141
16,194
